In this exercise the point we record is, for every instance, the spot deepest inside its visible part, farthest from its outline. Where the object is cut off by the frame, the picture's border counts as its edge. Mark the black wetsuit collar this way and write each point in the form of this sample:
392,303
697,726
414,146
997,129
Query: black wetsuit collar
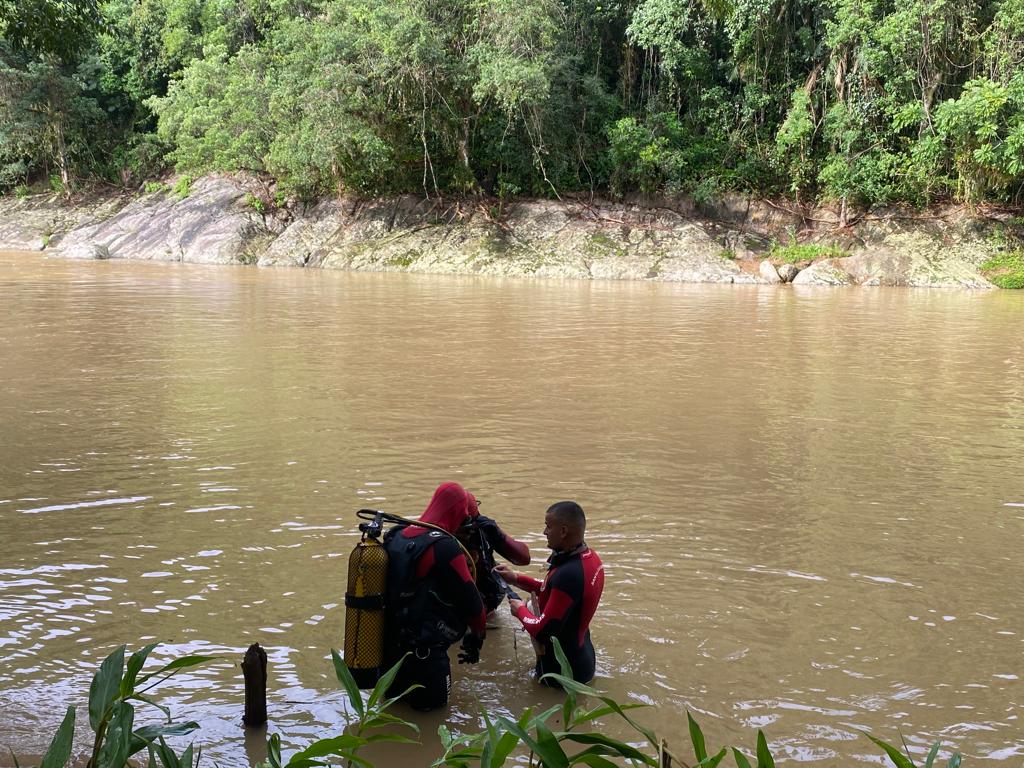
561,556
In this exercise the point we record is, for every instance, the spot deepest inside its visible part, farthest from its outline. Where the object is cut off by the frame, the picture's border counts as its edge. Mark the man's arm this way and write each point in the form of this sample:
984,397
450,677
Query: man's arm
513,550
459,584
565,590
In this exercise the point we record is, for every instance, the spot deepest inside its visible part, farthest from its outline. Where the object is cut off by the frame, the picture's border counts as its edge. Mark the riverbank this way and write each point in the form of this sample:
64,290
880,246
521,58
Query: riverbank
222,220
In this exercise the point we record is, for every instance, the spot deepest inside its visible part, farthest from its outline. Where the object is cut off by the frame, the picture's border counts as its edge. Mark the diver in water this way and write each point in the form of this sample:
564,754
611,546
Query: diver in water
567,598
483,537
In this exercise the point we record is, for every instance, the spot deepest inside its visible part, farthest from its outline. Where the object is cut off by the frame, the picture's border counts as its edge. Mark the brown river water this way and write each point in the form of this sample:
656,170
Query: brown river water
810,502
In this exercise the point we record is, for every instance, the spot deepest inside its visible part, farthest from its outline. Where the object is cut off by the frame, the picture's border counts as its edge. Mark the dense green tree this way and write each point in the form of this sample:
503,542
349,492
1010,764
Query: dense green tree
856,102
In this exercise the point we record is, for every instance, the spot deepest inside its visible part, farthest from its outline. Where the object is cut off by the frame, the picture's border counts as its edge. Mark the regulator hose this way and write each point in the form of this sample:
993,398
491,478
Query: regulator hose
375,514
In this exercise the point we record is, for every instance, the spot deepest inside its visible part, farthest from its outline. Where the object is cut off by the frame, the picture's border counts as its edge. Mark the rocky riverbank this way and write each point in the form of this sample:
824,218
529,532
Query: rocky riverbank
224,220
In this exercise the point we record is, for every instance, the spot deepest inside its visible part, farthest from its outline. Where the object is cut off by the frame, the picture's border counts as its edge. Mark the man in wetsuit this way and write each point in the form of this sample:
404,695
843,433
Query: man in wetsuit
568,596
483,537
431,600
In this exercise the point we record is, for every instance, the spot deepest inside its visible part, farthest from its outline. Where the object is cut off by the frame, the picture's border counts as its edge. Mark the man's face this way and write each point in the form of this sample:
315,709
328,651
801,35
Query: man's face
554,531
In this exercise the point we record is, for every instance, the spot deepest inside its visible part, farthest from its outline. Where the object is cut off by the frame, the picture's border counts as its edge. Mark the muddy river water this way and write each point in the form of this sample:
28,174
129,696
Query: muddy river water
810,502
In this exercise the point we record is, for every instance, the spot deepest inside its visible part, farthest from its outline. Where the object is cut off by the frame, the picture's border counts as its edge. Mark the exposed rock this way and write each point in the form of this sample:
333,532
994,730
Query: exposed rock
918,259
663,239
210,226
788,272
824,273
767,270
84,250
38,222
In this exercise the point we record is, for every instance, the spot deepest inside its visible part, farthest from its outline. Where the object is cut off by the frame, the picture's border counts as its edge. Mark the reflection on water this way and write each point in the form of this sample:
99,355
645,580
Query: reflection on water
807,501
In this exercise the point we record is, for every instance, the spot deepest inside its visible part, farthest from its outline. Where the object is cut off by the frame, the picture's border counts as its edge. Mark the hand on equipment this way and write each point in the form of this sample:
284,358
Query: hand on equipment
471,645
515,605
506,573
489,529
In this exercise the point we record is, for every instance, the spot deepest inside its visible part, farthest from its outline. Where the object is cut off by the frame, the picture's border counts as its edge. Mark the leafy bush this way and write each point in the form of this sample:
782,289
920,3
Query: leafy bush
794,254
112,715
1005,270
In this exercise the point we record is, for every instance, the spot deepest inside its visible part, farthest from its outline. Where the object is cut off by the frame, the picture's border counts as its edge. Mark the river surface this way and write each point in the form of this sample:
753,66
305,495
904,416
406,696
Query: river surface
810,502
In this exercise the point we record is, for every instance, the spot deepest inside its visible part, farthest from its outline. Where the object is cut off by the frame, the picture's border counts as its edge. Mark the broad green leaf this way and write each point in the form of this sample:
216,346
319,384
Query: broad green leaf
274,751
932,754
594,761
118,738
149,734
151,763
612,746
552,758
105,686
556,755
341,671
954,761
898,758
382,719
713,760
135,664
764,755
392,738
741,759
186,758
599,712
339,745
381,688
697,737
147,700
60,746
167,757
446,736
183,663
570,696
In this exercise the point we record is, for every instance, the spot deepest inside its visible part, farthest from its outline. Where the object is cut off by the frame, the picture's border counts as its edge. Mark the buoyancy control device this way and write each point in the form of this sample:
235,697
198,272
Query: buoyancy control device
366,596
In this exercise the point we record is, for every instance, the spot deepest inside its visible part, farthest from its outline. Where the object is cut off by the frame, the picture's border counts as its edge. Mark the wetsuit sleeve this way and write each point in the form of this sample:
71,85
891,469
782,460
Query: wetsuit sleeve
513,550
456,580
565,589
528,583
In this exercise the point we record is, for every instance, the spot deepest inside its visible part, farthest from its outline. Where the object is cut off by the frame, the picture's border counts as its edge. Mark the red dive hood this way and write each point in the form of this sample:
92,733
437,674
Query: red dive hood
448,509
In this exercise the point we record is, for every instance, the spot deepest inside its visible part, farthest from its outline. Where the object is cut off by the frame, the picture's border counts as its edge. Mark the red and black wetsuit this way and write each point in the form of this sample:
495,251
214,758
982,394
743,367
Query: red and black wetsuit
567,599
431,600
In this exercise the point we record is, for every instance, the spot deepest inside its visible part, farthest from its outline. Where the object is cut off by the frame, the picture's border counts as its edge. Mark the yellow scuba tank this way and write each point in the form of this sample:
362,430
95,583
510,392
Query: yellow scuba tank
364,606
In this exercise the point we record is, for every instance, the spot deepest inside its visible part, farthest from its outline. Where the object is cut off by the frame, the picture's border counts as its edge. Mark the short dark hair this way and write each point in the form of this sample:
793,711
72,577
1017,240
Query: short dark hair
569,513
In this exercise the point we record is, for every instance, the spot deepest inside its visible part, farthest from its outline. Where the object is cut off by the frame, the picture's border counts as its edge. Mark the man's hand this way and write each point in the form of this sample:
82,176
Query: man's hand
471,645
506,573
515,605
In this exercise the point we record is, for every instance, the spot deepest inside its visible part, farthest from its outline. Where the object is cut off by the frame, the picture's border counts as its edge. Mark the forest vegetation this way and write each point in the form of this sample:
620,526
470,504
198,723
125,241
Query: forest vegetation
855,103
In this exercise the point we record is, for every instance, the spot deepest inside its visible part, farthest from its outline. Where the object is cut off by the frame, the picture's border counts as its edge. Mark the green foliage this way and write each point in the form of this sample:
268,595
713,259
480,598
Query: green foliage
794,254
153,187
1006,270
183,186
853,101
114,688
117,684
371,715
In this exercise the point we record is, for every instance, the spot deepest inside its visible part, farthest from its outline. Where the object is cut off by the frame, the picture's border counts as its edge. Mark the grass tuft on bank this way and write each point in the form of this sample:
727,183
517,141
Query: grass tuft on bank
796,254
1005,270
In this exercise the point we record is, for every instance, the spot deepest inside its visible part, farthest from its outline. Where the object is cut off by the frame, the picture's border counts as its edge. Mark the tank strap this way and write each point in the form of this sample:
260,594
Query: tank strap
365,603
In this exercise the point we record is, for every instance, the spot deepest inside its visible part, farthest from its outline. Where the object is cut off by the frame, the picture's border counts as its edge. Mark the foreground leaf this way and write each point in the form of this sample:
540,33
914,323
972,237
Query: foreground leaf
60,747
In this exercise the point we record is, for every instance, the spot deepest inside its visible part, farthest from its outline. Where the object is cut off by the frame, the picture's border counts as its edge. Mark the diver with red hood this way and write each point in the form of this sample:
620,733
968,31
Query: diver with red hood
432,600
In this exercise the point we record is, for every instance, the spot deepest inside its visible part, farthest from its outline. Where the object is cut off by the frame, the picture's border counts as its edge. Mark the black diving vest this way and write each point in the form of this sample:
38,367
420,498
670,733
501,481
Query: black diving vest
418,614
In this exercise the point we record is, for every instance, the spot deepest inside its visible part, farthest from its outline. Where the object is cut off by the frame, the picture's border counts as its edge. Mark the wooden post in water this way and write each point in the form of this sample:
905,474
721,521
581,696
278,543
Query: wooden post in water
254,669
